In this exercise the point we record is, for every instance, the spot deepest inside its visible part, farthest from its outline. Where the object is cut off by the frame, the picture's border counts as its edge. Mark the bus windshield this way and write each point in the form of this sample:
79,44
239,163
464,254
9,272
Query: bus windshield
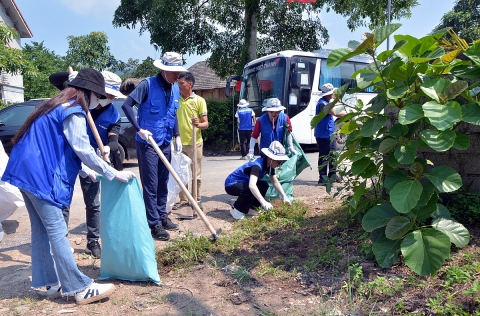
340,75
262,81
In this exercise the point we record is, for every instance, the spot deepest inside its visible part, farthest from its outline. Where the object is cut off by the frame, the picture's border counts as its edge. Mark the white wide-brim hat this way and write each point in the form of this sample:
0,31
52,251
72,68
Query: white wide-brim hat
327,89
273,105
112,84
242,103
170,61
276,151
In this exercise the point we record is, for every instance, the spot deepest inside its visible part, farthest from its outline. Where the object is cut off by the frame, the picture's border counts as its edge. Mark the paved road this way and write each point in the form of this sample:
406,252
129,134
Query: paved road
214,171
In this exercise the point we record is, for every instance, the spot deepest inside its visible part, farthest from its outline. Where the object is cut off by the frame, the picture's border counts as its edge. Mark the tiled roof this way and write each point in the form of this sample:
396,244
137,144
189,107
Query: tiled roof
205,78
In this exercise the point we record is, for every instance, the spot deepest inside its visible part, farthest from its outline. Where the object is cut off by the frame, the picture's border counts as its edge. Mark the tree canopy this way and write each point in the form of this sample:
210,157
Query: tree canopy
464,19
12,59
235,31
90,50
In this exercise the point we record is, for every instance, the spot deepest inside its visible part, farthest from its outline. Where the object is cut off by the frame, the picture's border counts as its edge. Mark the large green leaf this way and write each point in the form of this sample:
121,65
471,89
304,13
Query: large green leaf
383,56
455,89
427,192
457,233
443,116
397,227
398,130
383,32
339,55
387,144
427,210
358,194
360,165
473,52
386,251
462,141
397,92
395,177
411,47
406,153
410,114
316,119
348,127
434,87
392,162
365,79
471,113
405,195
437,140
378,216
441,212
445,179
437,53
379,102
372,126
425,250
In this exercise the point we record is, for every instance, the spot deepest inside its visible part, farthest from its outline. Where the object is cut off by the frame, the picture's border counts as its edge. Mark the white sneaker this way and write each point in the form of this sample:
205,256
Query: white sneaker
236,214
54,291
94,292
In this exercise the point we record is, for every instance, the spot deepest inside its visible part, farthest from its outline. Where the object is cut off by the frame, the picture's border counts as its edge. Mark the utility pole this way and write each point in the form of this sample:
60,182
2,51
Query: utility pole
388,21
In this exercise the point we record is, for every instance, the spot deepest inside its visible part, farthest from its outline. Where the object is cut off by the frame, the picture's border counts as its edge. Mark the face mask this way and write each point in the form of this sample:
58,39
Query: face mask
93,101
105,102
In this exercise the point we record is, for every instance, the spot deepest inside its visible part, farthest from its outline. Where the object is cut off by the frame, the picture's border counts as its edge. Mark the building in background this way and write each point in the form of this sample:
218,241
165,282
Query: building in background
207,83
11,86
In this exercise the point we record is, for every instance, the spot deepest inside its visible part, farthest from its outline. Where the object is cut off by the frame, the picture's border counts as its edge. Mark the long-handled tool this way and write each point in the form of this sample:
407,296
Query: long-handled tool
193,202
194,167
94,129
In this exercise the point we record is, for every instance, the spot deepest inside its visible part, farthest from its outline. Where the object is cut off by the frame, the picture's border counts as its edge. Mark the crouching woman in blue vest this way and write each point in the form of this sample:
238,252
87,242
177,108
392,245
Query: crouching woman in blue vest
245,182
45,160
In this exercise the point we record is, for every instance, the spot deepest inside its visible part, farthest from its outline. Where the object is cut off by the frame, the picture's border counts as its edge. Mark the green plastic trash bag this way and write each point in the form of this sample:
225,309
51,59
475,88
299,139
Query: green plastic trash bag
128,252
290,169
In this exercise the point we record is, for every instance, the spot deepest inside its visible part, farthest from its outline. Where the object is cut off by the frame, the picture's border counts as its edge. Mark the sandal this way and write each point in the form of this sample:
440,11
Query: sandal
178,205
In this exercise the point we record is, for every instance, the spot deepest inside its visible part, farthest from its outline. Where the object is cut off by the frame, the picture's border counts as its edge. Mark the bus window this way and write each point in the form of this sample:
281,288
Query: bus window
340,75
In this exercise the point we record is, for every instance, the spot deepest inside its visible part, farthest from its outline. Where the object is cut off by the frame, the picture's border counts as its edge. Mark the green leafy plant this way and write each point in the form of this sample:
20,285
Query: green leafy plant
423,93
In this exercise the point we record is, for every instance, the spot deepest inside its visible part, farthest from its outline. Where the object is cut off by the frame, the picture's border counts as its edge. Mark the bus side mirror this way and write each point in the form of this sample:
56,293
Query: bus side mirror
296,80
305,94
227,85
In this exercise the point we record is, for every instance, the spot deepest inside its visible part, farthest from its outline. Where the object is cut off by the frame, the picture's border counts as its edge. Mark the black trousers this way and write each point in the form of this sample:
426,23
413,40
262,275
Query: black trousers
246,199
324,148
244,141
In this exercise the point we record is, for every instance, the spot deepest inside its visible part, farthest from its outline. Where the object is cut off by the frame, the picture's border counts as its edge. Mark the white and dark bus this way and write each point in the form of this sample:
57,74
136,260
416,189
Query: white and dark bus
295,78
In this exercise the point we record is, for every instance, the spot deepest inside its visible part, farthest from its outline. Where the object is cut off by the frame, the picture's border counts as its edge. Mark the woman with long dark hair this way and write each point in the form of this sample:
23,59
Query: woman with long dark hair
47,155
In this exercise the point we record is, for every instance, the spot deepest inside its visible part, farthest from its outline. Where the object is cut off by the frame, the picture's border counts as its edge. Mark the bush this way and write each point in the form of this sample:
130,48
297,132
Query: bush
463,206
218,136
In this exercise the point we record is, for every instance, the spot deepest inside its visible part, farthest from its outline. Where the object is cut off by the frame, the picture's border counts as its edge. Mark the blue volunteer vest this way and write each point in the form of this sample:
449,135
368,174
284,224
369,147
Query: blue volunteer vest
267,133
326,127
155,115
245,119
239,175
43,162
109,117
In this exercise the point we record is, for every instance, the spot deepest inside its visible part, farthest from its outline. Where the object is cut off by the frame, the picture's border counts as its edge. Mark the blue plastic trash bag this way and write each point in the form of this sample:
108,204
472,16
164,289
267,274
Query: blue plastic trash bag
128,252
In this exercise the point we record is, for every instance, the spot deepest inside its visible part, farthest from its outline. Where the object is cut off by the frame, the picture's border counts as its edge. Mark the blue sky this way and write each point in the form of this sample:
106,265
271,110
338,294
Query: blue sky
52,21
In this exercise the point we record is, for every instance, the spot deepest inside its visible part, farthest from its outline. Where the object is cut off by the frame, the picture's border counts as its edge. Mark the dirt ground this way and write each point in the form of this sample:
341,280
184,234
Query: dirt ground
204,290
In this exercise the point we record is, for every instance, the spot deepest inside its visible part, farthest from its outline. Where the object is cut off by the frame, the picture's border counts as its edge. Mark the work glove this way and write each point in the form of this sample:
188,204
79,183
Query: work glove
72,76
106,149
290,144
178,145
293,151
286,200
250,156
266,205
144,134
124,176
93,176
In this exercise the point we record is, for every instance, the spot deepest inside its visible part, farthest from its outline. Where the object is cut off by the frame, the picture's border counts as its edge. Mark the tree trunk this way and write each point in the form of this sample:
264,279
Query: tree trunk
249,51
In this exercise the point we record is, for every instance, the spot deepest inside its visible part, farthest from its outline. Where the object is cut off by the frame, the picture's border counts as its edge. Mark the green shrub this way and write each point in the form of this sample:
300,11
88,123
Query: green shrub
463,206
218,136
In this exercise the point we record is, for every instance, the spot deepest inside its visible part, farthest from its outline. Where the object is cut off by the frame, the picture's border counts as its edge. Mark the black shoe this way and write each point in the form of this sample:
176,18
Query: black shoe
168,224
94,249
160,233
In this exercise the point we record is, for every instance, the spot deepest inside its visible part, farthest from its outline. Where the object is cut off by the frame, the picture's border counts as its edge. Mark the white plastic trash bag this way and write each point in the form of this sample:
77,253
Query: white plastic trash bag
181,164
10,196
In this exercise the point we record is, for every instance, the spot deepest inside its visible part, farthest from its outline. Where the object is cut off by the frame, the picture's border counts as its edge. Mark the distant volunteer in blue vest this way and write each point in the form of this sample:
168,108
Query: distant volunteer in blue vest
47,155
245,117
245,182
271,126
158,99
323,132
